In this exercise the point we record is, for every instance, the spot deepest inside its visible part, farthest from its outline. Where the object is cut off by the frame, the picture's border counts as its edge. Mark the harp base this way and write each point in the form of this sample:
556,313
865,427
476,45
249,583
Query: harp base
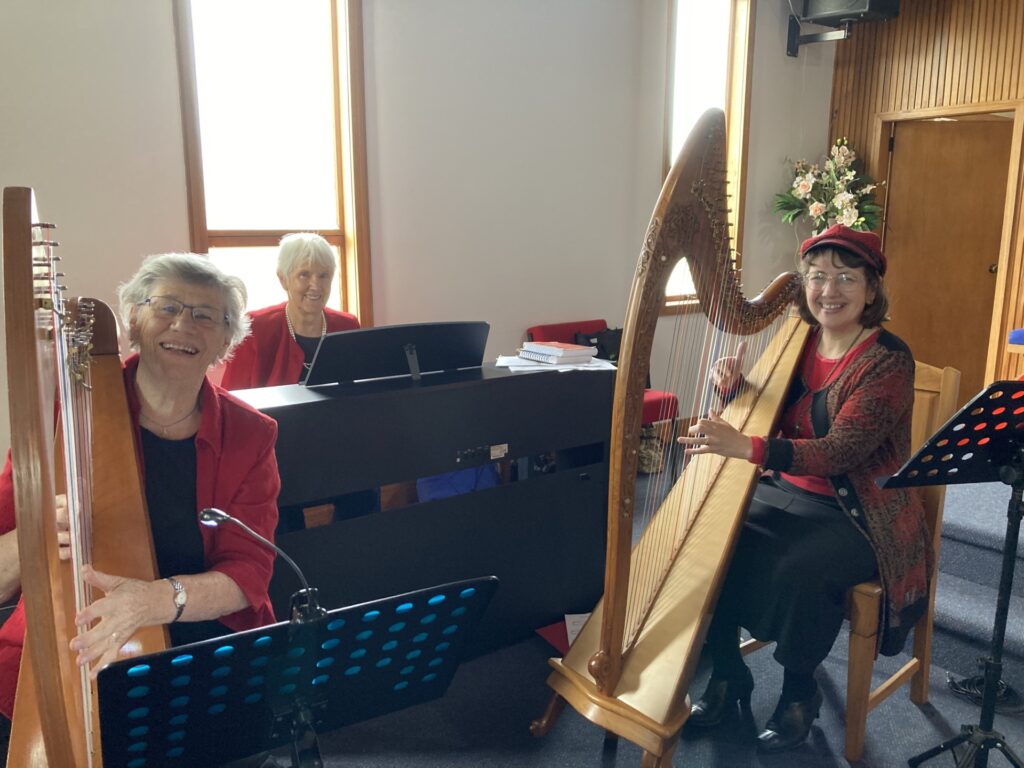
658,740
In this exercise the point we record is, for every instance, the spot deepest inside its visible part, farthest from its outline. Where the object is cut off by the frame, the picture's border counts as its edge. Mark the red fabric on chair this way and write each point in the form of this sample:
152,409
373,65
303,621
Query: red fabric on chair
564,332
658,405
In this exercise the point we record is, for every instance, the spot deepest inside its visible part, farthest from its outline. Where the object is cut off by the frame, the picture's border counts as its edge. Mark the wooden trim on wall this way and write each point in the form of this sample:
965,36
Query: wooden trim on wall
1007,310
738,79
189,98
355,189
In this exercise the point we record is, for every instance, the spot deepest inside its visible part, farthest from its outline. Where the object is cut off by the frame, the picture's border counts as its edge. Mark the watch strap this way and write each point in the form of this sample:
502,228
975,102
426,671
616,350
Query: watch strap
178,589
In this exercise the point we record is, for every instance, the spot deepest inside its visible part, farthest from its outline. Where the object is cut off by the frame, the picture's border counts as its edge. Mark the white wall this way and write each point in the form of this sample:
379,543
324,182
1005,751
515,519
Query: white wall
508,144
515,147
89,103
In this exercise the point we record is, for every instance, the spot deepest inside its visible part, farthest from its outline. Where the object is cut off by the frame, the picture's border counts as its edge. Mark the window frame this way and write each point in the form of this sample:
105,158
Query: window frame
352,237
739,69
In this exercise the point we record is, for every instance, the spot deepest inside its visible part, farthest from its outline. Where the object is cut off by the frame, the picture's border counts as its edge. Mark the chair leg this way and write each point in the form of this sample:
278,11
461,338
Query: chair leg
858,691
923,654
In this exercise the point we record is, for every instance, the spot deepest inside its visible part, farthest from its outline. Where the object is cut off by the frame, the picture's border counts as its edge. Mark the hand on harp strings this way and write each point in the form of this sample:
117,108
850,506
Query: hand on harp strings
63,534
727,372
124,608
713,434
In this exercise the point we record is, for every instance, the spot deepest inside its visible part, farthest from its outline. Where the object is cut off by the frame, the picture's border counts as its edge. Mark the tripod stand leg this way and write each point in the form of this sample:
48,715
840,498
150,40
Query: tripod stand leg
1009,754
945,746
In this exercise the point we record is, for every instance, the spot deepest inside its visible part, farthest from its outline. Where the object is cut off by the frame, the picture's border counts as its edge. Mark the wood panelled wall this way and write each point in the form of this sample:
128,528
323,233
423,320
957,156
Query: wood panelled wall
939,58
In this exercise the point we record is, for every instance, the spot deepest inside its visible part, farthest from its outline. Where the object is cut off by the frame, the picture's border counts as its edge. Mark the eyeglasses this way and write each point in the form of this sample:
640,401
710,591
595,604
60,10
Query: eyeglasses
202,315
843,281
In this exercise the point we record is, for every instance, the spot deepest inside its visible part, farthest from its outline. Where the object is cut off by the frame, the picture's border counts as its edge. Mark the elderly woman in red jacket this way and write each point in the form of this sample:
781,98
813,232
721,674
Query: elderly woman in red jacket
198,447
285,336
284,339
818,522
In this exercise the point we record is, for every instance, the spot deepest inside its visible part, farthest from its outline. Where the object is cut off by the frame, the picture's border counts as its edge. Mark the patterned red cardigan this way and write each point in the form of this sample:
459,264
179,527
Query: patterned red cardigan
862,421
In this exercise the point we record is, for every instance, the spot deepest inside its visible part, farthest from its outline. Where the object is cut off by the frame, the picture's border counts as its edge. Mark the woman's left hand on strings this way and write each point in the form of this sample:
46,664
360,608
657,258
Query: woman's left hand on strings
63,534
115,617
713,434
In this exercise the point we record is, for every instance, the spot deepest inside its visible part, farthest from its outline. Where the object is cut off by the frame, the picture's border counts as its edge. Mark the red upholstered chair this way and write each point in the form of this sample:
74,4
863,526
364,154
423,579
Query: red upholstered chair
658,406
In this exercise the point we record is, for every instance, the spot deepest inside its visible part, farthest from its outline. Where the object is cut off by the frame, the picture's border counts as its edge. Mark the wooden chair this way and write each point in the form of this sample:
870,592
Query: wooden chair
936,391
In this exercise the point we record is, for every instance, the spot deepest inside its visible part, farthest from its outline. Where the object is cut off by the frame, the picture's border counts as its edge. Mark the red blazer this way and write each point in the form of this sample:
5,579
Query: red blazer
270,356
12,633
236,470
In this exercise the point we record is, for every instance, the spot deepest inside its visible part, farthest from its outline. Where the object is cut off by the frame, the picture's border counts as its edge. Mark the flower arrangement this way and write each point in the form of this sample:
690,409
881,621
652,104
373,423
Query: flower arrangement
833,193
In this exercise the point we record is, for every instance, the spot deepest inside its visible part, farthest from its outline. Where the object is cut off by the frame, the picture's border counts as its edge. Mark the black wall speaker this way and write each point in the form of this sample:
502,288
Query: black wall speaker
832,13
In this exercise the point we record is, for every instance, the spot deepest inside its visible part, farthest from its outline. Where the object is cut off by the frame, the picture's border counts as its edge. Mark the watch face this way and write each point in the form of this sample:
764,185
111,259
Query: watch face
179,598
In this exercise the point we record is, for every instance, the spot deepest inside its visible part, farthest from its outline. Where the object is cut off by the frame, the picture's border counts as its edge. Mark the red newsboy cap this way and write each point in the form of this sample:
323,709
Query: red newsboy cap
867,245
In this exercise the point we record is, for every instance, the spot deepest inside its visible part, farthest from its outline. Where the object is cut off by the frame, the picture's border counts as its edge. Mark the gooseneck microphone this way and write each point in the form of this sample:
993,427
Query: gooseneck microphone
305,606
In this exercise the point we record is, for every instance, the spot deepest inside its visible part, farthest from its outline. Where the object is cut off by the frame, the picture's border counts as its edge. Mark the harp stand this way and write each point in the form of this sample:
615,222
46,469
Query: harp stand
983,442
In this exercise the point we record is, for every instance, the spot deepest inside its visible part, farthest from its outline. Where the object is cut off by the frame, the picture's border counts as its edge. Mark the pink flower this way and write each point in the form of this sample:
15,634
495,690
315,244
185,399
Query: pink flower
816,210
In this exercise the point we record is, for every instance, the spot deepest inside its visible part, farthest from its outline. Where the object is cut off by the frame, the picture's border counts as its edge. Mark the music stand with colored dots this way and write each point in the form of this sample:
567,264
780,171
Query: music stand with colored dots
223,699
982,443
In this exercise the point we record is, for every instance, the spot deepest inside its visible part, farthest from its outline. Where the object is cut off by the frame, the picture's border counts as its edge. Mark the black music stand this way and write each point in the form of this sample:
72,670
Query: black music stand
397,350
223,699
982,443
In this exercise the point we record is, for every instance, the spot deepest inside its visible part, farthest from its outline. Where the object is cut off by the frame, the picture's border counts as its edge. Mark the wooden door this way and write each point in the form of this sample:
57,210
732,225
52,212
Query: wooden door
946,188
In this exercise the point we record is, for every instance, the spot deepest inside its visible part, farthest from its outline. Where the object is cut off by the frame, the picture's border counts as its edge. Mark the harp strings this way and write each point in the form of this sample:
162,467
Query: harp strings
71,334
671,504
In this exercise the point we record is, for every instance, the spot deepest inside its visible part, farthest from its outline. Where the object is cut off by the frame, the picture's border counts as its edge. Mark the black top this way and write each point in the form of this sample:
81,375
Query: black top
171,501
308,345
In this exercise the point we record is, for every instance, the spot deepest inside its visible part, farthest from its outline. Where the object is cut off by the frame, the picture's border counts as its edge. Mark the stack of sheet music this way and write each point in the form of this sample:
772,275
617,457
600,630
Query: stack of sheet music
556,352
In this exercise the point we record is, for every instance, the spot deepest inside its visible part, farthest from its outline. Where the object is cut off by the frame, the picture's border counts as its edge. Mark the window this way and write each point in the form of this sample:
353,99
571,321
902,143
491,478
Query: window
709,67
272,105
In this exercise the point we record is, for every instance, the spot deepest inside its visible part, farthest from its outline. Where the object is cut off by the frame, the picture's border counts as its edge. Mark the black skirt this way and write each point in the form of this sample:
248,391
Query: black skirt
798,554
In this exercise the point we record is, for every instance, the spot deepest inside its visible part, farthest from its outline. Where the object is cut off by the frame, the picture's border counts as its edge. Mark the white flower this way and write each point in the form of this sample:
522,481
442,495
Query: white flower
844,200
816,210
849,217
868,189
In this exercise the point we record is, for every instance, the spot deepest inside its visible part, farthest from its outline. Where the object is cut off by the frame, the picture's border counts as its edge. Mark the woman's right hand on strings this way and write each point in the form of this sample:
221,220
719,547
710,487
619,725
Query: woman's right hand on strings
727,372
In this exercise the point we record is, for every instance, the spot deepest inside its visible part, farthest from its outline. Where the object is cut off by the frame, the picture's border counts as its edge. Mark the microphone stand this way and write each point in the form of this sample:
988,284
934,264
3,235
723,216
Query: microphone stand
305,603
306,614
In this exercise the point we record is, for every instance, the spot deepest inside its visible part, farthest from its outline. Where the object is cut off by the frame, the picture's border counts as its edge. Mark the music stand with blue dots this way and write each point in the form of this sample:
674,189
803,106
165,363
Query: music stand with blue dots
982,443
223,699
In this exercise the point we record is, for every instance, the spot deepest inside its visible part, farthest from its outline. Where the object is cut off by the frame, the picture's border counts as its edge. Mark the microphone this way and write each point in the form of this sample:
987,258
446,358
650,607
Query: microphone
305,607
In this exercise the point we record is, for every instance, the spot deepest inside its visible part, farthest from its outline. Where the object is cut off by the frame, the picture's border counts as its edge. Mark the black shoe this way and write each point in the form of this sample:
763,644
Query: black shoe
789,724
721,696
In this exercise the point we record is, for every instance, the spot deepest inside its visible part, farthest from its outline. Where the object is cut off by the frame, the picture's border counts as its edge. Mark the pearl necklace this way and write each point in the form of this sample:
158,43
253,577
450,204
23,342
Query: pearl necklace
291,328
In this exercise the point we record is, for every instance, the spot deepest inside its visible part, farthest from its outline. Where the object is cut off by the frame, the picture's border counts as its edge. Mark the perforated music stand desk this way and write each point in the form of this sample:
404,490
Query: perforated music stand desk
223,699
982,443
398,350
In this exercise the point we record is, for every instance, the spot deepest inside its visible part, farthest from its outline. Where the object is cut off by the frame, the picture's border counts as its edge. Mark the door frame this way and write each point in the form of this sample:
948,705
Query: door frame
1008,304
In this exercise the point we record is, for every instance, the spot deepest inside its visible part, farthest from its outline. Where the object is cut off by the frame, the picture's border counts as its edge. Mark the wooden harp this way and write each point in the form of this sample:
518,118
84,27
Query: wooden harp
629,669
66,353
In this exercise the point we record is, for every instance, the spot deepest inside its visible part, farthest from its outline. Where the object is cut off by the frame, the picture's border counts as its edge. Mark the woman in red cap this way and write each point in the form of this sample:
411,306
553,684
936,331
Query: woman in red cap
818,523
